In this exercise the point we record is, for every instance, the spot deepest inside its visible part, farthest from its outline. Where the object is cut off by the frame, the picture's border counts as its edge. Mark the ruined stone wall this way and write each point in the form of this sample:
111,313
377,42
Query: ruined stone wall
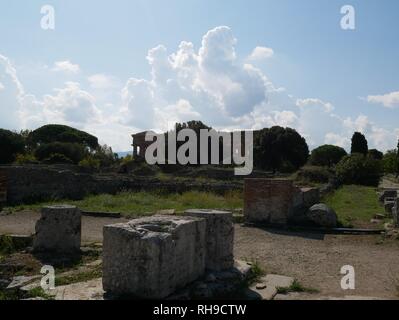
31,183
268,201
279,202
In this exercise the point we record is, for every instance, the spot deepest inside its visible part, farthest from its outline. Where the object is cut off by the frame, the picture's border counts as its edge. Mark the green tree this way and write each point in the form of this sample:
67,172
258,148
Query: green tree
327,155
359,144
359,169
280,149
11,144
375,154
72,151
60,133
390,162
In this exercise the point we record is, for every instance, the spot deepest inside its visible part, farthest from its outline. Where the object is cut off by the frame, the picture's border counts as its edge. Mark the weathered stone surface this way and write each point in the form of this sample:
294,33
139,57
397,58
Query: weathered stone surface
311,196
389,204
267,287
21,281
395,213
90,290
388,193
322,216
152,257
219,238
58,230
268,201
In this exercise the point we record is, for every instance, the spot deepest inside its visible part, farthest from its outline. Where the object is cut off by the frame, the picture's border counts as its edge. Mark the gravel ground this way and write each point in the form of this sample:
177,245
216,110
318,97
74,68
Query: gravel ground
314,260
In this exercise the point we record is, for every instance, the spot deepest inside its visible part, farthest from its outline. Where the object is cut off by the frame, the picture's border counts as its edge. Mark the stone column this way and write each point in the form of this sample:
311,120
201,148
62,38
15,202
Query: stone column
58,230
219,238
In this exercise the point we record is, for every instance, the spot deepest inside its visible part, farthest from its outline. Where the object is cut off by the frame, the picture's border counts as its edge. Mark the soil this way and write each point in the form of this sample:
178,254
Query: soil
315,260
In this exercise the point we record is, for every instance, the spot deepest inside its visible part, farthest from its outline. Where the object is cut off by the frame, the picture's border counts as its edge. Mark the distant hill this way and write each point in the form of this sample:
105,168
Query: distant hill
123,154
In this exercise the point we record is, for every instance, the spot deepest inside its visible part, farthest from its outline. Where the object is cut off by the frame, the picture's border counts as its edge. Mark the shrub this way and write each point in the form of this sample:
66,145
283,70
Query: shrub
359,169
90,163
327,155
72,151
11,144
314,174
25,159
57,158
390,162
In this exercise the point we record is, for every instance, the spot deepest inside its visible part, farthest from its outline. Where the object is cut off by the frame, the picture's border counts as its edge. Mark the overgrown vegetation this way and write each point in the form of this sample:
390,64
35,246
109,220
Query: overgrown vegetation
142,203
297,287
354,204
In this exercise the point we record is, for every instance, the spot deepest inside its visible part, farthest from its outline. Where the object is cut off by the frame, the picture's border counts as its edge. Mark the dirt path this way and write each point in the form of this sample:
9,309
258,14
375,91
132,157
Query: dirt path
314,260
23,223
386,183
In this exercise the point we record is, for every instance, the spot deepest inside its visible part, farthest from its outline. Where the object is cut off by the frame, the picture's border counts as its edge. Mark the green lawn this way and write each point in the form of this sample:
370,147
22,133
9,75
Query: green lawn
355,204
142,203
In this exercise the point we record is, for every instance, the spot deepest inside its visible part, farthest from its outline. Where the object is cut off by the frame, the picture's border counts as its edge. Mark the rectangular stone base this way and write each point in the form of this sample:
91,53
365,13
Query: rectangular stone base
152,257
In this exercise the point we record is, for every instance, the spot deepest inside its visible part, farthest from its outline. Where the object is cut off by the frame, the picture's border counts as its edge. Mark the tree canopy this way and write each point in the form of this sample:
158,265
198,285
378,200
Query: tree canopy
280,149
359,144
60,133
327,155
11,144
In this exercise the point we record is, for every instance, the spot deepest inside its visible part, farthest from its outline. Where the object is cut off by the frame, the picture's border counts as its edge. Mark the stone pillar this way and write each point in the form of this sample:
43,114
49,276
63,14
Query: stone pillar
219,238
150,258
268,201
58,230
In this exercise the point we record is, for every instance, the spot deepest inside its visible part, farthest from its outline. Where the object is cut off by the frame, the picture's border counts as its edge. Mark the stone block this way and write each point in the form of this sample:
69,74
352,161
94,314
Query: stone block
395,213
388,193
58,230
268,201
311,196
219,238
151,257
389,204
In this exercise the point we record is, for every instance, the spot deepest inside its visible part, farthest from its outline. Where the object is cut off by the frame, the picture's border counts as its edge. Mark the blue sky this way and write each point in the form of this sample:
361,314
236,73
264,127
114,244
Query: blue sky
94,71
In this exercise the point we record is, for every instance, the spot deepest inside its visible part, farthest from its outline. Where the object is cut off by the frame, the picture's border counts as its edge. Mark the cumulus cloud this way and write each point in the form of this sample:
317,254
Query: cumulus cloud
66,66
209,83
389,100
261,53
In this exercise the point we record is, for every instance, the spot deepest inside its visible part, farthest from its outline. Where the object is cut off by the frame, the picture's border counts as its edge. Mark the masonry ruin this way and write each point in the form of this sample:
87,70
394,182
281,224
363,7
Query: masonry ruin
279,202
139,144
219,238
58,230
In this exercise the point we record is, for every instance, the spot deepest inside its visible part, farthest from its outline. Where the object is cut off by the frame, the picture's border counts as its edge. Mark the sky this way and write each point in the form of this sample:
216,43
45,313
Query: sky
114,68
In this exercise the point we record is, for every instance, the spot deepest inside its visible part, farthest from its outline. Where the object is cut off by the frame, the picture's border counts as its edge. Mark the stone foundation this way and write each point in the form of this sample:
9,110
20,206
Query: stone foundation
219,238
268,201
58,230
152,257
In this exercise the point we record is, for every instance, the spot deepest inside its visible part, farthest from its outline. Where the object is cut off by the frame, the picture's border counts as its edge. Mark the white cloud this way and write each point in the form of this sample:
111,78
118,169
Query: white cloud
261,53
1,86
66,66
389,100
209,83
102,81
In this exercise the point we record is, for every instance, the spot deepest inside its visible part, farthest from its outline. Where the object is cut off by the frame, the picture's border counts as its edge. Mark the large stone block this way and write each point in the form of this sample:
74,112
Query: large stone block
311,196
268,201
219,238
58,230
152,257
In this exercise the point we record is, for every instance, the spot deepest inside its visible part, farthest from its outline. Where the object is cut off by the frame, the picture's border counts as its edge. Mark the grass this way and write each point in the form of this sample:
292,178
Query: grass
79,277
354,204
297,287
142,203
255,274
